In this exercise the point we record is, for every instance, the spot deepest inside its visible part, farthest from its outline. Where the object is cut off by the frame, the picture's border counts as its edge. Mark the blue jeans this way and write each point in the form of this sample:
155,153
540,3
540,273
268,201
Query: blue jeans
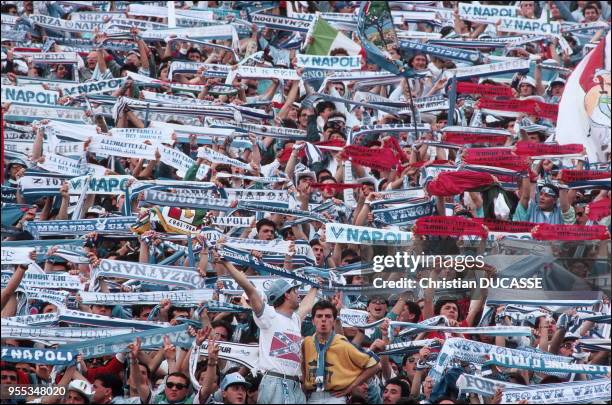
276,390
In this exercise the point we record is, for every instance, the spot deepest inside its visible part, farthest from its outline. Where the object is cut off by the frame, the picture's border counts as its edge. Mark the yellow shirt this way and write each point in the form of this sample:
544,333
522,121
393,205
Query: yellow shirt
343,363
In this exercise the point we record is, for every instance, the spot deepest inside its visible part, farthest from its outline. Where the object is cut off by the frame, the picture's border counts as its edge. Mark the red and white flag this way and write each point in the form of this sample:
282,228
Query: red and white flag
584,111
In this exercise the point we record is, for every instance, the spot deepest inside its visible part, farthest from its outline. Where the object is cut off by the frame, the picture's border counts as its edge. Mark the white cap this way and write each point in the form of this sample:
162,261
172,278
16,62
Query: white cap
82,387
528,80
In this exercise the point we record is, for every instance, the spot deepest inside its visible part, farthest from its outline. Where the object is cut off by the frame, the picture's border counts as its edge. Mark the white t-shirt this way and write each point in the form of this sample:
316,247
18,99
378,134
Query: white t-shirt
280,342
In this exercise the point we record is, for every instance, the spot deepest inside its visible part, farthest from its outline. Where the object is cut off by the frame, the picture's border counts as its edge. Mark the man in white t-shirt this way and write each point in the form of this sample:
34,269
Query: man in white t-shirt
280,338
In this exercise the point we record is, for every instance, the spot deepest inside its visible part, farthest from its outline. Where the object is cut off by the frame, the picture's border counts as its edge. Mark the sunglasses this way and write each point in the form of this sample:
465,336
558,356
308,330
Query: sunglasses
178,386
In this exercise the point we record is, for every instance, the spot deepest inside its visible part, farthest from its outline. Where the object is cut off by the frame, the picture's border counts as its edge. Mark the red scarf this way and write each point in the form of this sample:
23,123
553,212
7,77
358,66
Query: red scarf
375,158
571,175
530,107
599,209
464,138
497,225
448,226
495,157
570,232
335,186
452,183
484,89
393,143
524,148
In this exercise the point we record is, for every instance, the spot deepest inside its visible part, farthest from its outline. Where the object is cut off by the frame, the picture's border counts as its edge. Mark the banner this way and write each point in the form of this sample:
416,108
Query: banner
16,255
344,233
179,276
15,94
329,62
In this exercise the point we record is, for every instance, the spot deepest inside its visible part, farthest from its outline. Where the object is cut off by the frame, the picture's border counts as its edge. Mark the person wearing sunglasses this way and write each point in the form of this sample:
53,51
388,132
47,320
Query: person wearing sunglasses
176,390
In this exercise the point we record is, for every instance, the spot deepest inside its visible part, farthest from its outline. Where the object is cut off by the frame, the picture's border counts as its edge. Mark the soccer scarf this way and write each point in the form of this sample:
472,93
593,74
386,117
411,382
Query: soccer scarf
448,226
563,393
79,227
90,88
514,108
345,233
474,135
162,134
34,320
261,130
286,211
122,148
190,297
61,334
474,352
486,330
49,280
543,365
253,178
537,149
16,255
216,157
452,183
409,347
38,356
16,94
212,70
87,318
321,351
150,340
29,113
484,89
183,277
570,232
57,24
181,201
404,214
63,165
281,23
379,158
441,51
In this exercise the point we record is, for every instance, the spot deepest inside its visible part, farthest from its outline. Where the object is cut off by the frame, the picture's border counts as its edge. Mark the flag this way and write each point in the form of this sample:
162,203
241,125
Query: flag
584,110
327,38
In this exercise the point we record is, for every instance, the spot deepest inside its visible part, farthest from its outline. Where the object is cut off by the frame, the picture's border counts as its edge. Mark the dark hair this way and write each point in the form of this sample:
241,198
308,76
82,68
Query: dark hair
173,309
591,5
322,172
194,50
339,51
181,375
263,222
113,382
130,67
315,242
224,324
415,309
443,301
404,386
324,304
323,105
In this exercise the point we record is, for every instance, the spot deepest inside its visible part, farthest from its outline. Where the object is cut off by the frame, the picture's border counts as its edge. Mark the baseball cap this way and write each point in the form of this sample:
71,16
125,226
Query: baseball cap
82,387
305,173
278,289
233,379
528,80
368,180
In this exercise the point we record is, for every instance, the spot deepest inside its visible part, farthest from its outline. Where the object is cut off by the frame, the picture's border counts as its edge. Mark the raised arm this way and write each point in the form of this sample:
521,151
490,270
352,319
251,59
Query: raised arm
255,300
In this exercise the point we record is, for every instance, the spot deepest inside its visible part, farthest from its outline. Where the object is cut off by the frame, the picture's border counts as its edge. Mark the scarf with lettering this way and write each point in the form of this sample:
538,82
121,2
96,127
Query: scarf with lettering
484,89
573,175
452,183
496,157
570,232
497,225
524,148
448,226
517,107
474,136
